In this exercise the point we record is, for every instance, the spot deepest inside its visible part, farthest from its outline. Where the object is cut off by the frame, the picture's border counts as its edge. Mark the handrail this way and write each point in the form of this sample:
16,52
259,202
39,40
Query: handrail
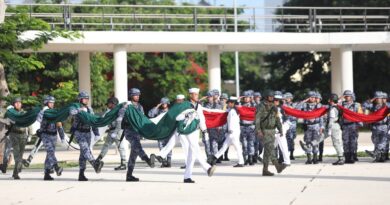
203,18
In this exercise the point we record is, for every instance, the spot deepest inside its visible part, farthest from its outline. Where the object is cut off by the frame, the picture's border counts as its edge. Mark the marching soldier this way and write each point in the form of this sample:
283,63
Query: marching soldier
154,112
267,120
193,141
257,144
133,137
334,130
48,134
82,133
18,137
114,134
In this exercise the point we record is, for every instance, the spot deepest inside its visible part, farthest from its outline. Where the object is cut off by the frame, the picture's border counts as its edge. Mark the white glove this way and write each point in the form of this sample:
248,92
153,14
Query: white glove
388,132
113,135
29,138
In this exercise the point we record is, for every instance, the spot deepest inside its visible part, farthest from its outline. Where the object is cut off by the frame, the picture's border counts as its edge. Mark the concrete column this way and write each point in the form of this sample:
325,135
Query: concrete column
342,70
120,72
335,71
85,72
214,67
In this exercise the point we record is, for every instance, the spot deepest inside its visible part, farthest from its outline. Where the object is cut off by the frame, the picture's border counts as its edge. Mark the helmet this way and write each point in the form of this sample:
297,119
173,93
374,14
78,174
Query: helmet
165,100
288,95
214,92
134,92
311,94
318,95
247,93
269,93
48,99
256,94
378,94
16,99
83,95
112,100
224,96
348,93
210,93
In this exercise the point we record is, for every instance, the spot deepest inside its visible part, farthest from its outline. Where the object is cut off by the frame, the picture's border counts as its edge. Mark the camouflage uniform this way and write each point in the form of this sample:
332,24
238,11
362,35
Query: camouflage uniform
48,133
154,112
380,136
334,130
312,131
215,134
267,120
134,138
350,133
248,136
82,133
113,137
291,133
18,138
257,143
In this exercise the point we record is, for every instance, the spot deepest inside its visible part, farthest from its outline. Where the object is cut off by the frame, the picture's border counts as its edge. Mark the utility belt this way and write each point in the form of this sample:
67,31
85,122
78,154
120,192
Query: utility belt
379,124
83,130
348,123
311,123
18,131
246,123
49,133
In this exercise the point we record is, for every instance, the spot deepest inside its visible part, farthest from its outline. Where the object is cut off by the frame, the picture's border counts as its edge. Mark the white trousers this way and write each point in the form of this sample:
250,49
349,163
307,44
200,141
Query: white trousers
281,141
171,144
194,154
232,139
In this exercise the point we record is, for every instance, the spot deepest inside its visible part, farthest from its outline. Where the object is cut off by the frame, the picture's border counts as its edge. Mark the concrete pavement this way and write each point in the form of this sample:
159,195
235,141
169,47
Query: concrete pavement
360,183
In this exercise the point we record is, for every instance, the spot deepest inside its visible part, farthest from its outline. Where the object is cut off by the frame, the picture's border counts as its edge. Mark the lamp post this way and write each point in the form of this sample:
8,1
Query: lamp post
236,52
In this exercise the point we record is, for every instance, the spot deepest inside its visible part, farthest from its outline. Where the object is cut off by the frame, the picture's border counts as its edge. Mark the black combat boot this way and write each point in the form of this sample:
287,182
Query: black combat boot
348,156
211,171
15,175
226,158
169,162
315,159
212,160
189,181
3,168
246,162
292,155
266,172
26,162
158,158
122,166
250,160
309,161
279,167
254,159
47,176
97,165
219,160
340,161
130,177
58,170
82,177
150,161
99,158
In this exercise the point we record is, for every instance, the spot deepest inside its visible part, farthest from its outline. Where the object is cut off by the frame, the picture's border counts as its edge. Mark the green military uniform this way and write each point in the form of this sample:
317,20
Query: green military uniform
267,119
18,137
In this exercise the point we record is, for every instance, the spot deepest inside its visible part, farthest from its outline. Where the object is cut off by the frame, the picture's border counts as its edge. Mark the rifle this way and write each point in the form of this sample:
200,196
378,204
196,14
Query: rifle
6,133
